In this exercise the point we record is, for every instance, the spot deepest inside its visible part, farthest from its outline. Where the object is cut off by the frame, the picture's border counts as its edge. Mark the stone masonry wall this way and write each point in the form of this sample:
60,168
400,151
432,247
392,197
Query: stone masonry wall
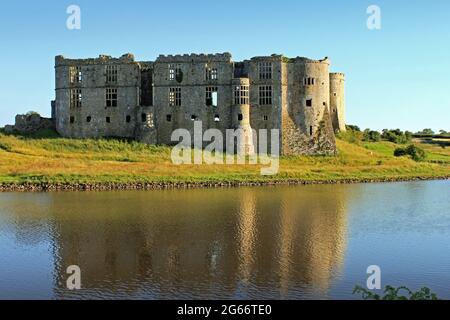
300,105
94,118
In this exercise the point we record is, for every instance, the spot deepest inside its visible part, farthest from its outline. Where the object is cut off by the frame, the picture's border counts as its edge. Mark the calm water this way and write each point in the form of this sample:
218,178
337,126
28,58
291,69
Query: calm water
275,242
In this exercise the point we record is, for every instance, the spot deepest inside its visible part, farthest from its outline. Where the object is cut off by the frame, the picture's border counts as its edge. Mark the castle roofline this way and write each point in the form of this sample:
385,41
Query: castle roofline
125,58
337,74
218,57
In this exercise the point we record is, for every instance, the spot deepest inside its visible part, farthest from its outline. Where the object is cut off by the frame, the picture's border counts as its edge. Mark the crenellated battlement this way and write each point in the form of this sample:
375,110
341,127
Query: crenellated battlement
218,57
102,59
337,75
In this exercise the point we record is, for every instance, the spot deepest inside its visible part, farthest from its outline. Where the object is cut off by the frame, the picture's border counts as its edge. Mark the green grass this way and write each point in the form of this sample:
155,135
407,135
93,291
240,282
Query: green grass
36,160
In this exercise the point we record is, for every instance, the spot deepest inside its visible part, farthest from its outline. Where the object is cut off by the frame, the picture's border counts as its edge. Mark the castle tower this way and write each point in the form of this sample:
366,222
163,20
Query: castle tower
241,116
337,101
307,127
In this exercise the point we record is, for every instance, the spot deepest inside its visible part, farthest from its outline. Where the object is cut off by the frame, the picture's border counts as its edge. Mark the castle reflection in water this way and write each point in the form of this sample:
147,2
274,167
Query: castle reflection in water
225,243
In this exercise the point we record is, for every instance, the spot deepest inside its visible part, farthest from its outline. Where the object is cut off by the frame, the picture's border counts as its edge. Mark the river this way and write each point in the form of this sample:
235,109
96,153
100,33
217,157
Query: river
284,242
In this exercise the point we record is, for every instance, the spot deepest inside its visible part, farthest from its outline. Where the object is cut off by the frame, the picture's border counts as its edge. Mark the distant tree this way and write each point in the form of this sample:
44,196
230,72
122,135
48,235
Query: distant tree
426,132
371,135
408,135
396,136
353,128
443,132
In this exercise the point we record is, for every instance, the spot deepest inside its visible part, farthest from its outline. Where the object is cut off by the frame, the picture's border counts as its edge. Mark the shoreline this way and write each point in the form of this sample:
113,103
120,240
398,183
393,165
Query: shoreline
147,186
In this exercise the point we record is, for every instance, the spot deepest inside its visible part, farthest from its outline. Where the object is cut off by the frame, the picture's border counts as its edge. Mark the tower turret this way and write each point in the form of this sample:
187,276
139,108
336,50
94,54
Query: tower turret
241,116
337,101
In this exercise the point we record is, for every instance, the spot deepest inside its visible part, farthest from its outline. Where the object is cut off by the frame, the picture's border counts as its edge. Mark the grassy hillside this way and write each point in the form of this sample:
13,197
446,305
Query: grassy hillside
58,160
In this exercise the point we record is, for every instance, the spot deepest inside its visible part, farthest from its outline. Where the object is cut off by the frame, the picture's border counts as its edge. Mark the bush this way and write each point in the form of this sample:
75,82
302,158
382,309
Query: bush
32,113
371,136
400,293
400,152
416,153
396,136
426,132
350,127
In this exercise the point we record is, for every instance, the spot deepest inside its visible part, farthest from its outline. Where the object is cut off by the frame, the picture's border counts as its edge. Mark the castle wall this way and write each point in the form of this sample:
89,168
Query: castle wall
266,116
156,98
94,118
337,101
192,83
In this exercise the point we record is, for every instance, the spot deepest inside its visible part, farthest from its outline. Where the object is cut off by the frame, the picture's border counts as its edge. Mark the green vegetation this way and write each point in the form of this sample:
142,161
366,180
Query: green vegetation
32,113
416,153
396,136
400,293
371,136
426,132
46,158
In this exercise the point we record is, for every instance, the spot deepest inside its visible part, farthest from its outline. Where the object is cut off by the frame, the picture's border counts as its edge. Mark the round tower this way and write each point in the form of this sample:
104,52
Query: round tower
337,101
314,93
241,116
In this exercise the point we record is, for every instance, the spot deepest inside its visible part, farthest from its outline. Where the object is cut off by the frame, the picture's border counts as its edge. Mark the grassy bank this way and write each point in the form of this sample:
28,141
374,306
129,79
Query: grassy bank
36,161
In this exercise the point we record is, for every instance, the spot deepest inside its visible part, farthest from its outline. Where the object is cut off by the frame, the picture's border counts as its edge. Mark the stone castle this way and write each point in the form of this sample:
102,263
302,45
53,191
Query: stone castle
147,101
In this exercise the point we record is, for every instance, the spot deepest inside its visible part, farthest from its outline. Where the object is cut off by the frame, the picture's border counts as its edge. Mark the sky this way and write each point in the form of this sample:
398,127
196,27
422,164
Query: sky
397,76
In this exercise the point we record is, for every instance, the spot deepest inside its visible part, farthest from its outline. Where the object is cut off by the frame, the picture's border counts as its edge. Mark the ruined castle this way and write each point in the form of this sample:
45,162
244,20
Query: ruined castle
147,101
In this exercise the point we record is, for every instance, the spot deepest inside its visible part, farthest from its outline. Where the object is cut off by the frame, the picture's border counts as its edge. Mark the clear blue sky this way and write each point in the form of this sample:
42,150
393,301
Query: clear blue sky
397,77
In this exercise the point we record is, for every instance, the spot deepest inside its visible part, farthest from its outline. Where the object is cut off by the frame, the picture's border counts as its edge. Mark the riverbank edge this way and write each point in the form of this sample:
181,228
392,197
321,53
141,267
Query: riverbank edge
116,186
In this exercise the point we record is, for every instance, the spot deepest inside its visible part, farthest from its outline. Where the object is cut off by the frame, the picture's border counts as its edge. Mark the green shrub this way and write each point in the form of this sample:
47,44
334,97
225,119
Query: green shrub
416,153
371,136
400,152
396,136
31,113
350,127
426,132
400,293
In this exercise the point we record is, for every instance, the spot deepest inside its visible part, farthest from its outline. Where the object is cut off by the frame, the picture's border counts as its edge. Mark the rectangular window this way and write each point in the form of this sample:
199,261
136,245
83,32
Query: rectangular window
211,96
309,103
265,95
266,118
75,98
171,72
111,97
174,97
265,70
309,81
111,74
75,75
174,70
169,118
211,73
108,119
241,95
